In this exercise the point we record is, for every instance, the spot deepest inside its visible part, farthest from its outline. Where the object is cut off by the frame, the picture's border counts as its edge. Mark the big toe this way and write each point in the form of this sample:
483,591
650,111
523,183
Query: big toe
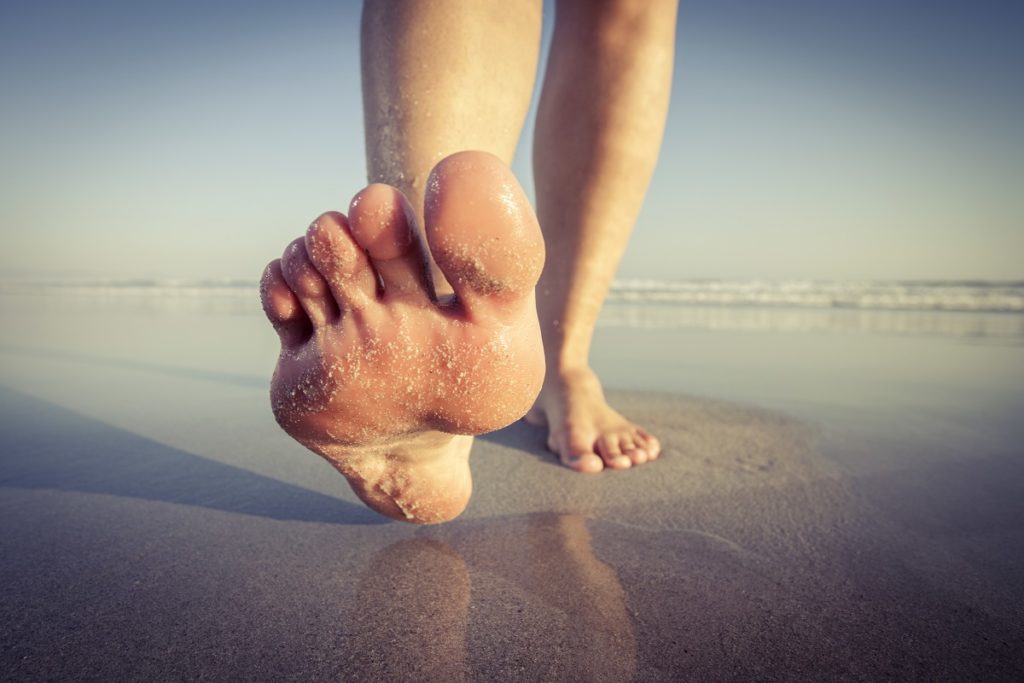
575,450
482,231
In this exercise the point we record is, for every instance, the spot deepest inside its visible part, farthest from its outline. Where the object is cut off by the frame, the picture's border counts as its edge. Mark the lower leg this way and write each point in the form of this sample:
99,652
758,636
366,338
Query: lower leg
441,77
599,129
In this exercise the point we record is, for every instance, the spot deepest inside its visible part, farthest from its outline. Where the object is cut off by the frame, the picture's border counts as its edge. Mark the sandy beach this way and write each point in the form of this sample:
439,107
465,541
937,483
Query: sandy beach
779,237
833,504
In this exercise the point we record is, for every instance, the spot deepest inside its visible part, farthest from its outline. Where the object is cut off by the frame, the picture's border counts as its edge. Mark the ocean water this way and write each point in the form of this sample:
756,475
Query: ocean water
944,308
884,355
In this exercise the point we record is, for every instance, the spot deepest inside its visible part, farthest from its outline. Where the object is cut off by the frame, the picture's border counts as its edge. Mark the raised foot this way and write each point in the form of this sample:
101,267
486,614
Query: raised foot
379,377
584,431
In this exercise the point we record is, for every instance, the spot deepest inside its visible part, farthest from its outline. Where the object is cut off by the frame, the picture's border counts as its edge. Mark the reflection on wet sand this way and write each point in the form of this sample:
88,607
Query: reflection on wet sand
413,604
564,572
536,584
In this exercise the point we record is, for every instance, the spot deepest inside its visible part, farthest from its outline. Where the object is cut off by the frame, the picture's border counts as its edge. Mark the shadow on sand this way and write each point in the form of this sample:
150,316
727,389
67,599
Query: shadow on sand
524,438
49,447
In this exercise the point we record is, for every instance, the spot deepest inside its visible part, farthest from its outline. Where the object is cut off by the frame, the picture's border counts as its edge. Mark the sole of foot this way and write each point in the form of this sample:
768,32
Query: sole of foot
585,432
380,377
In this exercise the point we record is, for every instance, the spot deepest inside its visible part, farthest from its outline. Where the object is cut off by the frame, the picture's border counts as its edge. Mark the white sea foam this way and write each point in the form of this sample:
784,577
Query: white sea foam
965,324
995,297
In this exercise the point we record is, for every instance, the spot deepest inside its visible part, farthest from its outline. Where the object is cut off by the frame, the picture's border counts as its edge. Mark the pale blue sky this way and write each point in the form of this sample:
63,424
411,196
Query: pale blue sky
806,139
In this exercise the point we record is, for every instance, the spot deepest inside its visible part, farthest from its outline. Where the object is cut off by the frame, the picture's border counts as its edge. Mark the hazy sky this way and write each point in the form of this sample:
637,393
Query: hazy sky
806,139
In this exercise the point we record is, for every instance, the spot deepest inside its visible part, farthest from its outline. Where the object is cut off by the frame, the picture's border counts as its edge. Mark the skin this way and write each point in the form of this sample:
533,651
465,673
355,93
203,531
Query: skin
379,377
599,128
440,77
447,75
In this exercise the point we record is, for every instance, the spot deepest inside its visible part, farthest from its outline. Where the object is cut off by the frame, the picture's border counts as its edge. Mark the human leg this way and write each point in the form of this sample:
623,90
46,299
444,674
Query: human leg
441,77
599,128
375,374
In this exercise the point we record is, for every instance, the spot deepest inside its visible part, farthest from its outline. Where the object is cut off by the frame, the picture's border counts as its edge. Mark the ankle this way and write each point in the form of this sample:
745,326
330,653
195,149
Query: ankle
569,374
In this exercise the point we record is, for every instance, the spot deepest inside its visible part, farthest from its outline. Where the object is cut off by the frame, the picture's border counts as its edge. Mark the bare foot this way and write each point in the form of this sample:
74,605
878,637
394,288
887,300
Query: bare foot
379,377
585,432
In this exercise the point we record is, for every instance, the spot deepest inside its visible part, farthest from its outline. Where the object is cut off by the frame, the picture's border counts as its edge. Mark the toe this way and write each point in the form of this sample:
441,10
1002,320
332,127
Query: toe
482,231
341,261
308,285
637,456
282,306
609,447
382,222
576,452
649,443
584,462
633,449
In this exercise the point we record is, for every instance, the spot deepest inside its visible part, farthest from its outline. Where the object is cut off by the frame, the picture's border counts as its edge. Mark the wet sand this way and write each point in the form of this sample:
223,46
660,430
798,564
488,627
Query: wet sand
154,523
